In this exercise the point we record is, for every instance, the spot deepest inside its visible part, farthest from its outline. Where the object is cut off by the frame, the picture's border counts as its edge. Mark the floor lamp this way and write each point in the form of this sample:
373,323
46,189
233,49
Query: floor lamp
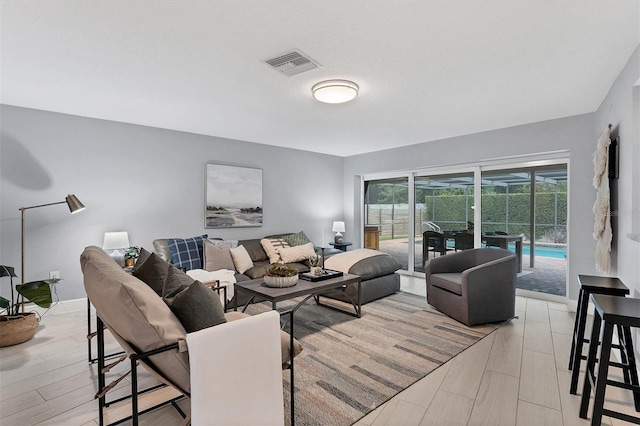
74,206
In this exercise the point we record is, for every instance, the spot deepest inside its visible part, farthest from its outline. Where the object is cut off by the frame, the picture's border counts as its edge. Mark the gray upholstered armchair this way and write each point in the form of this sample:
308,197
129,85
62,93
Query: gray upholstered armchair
473,286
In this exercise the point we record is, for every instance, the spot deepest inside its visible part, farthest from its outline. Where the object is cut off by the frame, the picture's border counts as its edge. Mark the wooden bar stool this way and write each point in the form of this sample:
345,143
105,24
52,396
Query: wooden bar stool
610,312
589,284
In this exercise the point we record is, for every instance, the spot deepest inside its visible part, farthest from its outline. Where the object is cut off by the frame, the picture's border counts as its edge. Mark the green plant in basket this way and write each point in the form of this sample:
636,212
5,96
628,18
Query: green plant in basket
280,270
38,292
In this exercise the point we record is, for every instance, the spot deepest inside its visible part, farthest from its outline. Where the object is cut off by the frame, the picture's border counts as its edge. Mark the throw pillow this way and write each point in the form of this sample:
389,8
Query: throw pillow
218,256
241,259
143,255
296,239
176,282
193,303
297,253
271,246
152,270
254,248
186,253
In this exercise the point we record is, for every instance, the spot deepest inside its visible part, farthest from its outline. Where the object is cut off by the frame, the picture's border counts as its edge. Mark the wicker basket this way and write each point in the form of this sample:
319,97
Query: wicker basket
17,329
280,282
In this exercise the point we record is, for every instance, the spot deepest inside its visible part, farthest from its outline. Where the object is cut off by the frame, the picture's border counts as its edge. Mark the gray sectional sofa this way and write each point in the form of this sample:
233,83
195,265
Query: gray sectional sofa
378,273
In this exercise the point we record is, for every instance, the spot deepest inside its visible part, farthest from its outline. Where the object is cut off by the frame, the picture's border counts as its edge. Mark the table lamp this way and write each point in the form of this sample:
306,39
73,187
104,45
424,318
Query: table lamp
338,227
115,241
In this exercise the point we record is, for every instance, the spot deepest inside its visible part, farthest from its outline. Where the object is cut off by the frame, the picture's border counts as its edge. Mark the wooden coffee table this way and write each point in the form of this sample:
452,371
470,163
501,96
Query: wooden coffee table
257,288
309,289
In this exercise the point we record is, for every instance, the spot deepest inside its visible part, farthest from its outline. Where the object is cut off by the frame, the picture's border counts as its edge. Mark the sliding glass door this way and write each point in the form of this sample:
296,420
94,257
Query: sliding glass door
415,216
386,217
444,205
530,203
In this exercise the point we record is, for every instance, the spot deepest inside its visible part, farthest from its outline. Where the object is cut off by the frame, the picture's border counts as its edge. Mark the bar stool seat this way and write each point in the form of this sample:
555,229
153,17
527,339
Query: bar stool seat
589,285
610,312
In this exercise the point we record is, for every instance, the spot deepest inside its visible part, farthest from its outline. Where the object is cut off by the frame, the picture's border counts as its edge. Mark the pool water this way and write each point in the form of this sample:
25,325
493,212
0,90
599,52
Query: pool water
559,252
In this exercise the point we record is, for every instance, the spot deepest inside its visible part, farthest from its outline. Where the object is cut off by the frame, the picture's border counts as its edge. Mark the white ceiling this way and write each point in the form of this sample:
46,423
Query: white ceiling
427,69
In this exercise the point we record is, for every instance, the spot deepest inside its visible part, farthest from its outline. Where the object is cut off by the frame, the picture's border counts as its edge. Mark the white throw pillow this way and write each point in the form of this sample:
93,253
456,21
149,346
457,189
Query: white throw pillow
297,253
241,259
271,247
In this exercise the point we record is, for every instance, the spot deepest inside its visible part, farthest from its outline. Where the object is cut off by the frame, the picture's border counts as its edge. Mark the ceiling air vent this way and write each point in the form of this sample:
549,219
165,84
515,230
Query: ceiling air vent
292,63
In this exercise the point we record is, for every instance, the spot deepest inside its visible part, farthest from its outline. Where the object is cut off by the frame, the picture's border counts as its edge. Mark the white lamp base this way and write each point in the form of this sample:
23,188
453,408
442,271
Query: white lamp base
117,257
338,238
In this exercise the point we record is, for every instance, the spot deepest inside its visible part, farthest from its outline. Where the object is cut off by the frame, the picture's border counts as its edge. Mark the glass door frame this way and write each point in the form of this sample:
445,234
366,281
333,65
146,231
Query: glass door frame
526,161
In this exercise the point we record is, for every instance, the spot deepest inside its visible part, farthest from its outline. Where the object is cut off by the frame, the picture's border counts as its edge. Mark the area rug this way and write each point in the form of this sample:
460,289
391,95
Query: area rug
350,366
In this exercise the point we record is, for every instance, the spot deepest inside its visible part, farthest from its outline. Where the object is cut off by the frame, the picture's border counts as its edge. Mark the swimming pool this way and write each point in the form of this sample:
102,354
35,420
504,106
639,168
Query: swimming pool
555,251
558,252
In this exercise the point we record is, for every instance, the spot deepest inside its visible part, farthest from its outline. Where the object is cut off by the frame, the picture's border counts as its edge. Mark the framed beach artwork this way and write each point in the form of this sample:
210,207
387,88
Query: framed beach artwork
233,197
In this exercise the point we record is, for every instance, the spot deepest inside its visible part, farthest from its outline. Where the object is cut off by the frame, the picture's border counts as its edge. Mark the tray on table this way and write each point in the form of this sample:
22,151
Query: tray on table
328,273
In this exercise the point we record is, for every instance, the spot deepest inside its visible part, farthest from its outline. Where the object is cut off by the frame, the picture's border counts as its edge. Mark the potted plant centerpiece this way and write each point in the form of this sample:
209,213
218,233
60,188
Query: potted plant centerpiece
130,256
281,275
15,326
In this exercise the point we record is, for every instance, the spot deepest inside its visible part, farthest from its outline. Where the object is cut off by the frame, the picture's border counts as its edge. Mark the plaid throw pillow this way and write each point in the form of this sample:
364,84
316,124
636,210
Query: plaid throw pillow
297,239
186,253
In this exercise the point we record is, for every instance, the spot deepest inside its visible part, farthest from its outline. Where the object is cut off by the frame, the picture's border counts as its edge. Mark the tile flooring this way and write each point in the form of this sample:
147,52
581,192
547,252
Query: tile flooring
516,376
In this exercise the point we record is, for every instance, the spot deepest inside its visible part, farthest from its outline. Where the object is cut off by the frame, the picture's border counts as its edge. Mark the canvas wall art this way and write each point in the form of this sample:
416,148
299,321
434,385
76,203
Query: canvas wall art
233,197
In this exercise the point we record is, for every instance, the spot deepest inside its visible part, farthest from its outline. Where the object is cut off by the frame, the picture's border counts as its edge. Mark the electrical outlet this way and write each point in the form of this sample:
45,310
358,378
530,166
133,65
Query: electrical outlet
54,275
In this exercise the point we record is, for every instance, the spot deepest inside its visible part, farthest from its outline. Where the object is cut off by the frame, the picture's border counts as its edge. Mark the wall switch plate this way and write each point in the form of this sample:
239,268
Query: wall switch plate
54,275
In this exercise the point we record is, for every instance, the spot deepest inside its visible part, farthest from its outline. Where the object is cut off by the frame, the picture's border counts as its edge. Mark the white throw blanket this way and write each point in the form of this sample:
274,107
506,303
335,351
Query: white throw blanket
226,277
602,232
344,261
241,383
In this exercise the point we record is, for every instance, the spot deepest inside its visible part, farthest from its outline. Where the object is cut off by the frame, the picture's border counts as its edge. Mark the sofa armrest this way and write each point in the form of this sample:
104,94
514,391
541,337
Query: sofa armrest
490,279
161,248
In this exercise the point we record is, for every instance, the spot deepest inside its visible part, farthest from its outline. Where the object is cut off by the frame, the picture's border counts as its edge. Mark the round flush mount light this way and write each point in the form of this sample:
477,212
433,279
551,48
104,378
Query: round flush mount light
335,91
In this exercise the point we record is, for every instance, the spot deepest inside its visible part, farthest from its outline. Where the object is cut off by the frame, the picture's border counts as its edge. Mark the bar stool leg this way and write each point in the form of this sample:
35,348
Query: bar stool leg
575,329
603,370
578,341
626,372
591,362
631,362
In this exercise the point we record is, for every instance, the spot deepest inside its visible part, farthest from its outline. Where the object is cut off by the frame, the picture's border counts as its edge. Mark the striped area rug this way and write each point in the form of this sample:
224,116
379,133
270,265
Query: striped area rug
350,366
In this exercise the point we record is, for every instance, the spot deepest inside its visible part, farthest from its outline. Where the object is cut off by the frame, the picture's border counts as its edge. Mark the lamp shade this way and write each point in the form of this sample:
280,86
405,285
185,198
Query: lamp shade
115,240
338,227
74,204
335,91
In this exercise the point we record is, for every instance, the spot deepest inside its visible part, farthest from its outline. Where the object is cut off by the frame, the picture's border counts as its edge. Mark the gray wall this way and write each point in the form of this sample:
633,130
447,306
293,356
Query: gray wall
146,181
621,108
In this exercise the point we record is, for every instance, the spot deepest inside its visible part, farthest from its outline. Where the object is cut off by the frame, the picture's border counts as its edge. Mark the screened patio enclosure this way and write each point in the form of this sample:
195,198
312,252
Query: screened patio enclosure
531,202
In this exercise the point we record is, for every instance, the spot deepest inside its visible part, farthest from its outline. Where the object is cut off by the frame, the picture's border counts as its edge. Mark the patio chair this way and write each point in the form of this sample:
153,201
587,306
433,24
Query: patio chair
463,241
433,241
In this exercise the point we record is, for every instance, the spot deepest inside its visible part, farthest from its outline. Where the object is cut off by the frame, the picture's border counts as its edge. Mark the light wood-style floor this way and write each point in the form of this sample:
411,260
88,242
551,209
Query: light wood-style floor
516,376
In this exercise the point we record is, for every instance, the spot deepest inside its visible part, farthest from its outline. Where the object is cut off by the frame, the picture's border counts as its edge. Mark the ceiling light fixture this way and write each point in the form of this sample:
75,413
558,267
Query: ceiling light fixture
335,91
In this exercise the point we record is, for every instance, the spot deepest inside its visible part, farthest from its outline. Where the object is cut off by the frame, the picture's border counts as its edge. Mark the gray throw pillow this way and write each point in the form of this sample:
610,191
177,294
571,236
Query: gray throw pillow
151,269
193,303
217,256
175,282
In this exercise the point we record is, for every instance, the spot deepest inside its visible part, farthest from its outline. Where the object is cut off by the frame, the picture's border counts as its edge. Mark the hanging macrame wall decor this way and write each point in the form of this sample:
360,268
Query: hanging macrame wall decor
602,207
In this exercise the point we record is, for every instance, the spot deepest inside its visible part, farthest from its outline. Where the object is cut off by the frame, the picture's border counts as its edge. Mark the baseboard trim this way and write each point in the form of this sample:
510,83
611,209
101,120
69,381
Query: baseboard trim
59,307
